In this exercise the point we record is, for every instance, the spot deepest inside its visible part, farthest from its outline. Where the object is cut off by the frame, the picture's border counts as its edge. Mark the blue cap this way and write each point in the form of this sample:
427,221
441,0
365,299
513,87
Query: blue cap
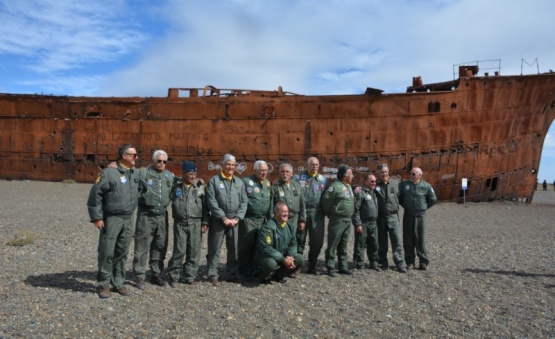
188,166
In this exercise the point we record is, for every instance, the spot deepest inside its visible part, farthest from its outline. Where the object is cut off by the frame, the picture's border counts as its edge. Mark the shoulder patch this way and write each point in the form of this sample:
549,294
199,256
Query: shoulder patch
268,240
98,178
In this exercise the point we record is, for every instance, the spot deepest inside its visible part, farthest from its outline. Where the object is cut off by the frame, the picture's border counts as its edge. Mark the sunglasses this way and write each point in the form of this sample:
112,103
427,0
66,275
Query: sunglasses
162,161
134,155
413,174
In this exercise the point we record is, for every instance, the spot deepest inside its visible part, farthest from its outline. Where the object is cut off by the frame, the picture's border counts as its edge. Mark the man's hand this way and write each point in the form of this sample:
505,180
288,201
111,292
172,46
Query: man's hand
204,228
358,229
99,224
289,262
230,222
357,190
301,226
113,164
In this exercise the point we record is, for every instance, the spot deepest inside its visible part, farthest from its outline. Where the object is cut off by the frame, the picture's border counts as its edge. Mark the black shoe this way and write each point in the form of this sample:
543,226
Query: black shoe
359,267
173,283
403,269
279,279
158,280
346,272
265,281
375,268
332,273
423,267
313,271
384,267
233,279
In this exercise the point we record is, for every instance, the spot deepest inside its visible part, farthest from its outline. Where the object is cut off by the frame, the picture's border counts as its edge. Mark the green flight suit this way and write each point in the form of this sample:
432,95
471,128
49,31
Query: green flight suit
366,215
190,212
338,203
274,243
388,223
258,207
415,198
292,195
226,199
113,198
151,229
313,189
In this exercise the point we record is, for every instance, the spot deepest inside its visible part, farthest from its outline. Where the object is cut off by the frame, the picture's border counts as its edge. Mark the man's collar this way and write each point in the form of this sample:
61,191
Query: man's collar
230,178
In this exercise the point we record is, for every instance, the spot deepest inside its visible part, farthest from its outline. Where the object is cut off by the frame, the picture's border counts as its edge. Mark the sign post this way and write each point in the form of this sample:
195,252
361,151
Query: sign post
464,188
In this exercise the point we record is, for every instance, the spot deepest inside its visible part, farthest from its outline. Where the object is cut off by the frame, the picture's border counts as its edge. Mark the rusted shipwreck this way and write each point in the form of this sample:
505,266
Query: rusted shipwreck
489,129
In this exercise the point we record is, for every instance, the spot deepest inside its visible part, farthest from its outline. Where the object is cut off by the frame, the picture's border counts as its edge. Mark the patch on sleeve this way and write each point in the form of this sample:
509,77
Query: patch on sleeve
98,178
268,240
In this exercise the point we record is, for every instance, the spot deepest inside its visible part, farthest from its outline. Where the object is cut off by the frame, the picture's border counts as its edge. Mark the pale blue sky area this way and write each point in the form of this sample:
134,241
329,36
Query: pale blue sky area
143,47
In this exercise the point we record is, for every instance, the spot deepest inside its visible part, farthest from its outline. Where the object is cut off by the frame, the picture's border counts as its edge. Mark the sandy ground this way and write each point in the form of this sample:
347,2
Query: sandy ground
492,273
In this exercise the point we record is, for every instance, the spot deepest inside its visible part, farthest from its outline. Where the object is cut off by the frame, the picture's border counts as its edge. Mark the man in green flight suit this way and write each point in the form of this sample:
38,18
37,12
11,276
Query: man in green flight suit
291,193
190,220
112,200
258,193
227,201
387,192
314,184
416,196
276,250
338,203
151,229
366,227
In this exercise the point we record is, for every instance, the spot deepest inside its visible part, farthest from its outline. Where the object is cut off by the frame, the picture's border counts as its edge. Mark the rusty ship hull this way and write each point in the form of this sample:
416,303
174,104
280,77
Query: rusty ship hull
487,129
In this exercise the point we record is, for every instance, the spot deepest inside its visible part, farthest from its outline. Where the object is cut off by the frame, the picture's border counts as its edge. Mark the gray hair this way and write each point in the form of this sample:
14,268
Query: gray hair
278,206
308,161
381,166
228,157
158,153
258,163
286,165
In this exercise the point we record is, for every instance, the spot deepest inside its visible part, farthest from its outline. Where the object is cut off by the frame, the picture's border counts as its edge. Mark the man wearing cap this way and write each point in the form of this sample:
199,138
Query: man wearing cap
151,229
313,184
190,220
112,200
365,222
416,196
258,193
276,249
387,192
227,201
338,203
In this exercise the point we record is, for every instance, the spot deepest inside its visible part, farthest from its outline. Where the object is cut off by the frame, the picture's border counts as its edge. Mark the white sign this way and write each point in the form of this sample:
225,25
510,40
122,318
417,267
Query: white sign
464,184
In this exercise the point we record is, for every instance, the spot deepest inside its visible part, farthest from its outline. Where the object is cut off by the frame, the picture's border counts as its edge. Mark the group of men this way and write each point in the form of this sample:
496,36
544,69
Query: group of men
265,225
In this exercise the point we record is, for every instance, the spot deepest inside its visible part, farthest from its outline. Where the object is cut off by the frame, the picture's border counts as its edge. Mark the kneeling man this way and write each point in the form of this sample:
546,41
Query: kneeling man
276,248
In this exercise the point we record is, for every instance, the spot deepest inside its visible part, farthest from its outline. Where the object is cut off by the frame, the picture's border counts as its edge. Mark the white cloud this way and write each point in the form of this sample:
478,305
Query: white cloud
58,35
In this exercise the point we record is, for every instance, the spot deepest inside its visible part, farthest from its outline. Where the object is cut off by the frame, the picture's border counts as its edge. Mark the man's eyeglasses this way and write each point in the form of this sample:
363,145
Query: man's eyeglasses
134,155
162,161
372,181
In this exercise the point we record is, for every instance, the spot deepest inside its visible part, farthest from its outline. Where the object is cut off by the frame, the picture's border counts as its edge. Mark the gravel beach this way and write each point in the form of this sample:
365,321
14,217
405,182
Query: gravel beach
491,274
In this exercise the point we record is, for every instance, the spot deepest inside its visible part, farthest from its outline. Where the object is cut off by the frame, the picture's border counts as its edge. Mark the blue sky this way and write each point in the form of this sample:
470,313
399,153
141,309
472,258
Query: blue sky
142,47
